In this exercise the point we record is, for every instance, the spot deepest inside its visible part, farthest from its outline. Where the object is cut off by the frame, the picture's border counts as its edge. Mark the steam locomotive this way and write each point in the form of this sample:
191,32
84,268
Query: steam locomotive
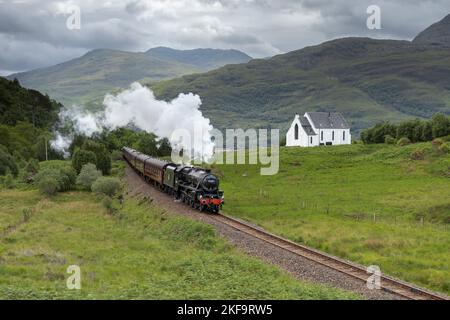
194,186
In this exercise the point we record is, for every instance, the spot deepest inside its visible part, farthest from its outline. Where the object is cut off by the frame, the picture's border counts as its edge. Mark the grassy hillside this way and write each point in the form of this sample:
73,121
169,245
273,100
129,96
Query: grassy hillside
87,79
367,80
368,203
140,253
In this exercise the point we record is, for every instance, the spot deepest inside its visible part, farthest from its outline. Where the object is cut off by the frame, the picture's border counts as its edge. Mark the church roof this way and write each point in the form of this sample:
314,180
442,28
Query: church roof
328,120
307,126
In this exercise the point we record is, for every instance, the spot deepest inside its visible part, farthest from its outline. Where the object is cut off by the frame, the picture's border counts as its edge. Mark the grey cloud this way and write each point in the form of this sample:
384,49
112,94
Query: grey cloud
33,34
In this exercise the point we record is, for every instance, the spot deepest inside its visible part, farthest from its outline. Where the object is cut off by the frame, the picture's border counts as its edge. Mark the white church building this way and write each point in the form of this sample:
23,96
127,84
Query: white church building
318,129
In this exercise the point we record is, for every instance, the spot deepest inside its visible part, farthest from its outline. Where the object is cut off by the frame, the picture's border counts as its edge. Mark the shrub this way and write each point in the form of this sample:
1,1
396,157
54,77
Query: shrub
107,203
64,177
108,186
26,214
82,157
417,155
68,177
437,142
48,185
388,139
88,175
403,141
445,148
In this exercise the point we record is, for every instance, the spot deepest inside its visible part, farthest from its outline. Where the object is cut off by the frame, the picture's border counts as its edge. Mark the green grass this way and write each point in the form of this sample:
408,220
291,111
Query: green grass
370,204
140,252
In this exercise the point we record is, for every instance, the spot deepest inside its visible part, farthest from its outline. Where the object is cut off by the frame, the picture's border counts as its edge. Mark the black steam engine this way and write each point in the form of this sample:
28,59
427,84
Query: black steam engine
196,187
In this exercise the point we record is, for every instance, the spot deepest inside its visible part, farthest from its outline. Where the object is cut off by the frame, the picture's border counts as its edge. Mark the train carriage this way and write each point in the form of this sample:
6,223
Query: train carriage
194,186
154,170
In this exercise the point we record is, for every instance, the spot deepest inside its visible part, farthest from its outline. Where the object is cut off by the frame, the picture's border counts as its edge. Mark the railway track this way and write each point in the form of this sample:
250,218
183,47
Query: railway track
388,284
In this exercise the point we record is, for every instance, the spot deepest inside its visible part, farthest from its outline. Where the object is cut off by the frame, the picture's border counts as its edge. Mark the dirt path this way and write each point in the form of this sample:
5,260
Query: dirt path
300,268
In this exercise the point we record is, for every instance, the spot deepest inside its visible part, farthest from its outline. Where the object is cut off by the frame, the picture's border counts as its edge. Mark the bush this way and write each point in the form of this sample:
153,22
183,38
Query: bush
403,141
88,175
108,186
445,148
48,185
437,142
108,204
63,176
417,155
388,139
68,178
82,157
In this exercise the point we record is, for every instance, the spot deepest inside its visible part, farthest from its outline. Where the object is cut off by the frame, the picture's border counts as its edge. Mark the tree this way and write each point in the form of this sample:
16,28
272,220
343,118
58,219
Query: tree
88,175
147,144
68,178
103,157
82,157
407,129
7,163
416,130
164,149
426,132
43,152
440,125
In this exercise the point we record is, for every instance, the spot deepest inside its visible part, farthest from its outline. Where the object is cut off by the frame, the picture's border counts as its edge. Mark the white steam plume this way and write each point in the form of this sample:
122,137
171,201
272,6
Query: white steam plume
139,106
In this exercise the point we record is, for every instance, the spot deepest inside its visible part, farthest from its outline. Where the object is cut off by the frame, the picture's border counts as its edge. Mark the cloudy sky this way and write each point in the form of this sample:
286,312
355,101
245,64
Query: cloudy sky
34,33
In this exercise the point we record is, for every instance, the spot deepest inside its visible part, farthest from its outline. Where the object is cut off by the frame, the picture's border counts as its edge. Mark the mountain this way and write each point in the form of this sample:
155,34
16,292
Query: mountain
436,34
85,80
205,59
365,79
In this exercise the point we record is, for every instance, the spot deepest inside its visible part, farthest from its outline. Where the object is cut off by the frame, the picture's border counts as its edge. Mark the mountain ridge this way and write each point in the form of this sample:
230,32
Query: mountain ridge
86,79
368,80
436,34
